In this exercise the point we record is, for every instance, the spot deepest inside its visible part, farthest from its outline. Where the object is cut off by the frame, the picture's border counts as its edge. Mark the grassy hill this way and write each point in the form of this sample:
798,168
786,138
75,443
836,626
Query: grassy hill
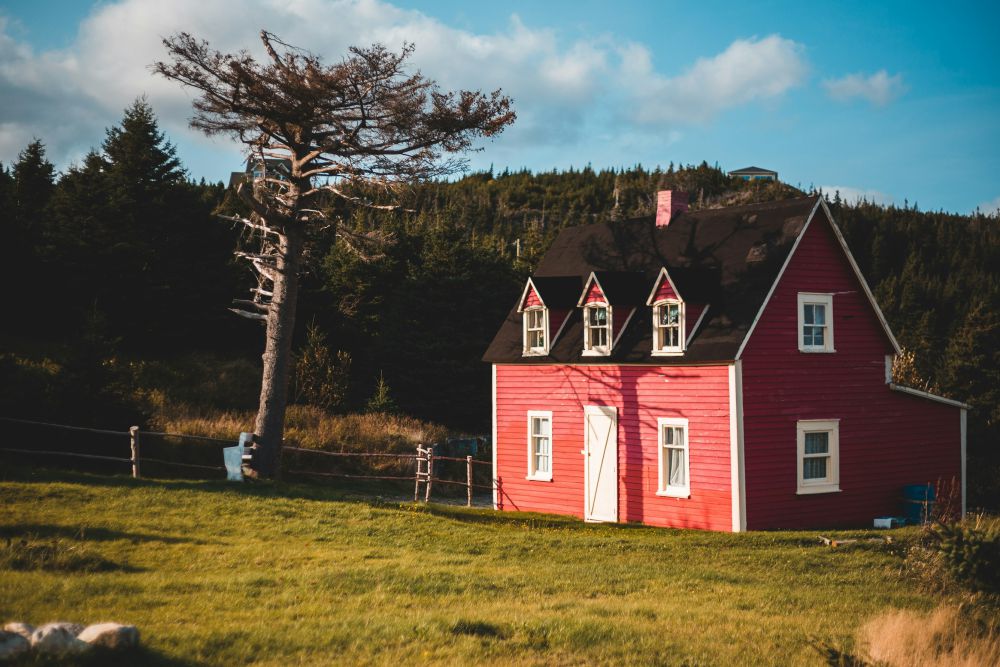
265,574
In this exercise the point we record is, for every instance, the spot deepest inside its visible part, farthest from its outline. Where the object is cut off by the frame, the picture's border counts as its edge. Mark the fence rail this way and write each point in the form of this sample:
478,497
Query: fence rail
424,458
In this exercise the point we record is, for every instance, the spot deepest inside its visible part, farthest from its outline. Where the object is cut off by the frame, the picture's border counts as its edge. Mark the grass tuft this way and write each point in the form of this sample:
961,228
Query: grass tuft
946,637
30,553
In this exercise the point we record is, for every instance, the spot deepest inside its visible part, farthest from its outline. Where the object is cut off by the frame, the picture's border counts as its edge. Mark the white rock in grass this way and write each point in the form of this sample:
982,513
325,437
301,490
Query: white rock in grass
58,639
110,635
22,629
12,645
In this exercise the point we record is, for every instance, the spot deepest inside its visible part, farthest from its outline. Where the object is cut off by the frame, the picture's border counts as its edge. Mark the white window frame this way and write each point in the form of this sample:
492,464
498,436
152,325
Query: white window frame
527,350
590,350
665,350
533,473
831,483
815,299
664,488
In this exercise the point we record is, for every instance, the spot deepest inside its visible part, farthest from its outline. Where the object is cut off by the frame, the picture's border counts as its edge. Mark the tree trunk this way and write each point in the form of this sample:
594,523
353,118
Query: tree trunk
270,427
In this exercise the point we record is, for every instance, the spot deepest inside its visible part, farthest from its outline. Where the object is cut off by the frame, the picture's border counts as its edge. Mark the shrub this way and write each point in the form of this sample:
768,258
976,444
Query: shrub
320,377
970,551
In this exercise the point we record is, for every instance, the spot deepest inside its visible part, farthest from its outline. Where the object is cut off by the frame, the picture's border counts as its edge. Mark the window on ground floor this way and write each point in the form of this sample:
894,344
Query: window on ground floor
674,458
539,445
818,456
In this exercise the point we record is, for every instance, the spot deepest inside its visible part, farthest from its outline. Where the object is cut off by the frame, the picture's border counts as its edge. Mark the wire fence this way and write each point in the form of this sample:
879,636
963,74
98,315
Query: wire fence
161,451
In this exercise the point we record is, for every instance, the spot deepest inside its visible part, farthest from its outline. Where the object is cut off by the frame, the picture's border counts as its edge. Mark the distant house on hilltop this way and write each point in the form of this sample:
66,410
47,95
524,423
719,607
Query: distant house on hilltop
724,369
754,174
255,168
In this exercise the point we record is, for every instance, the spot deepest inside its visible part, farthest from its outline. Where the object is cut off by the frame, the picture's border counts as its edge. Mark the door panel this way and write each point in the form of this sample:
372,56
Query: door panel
600,463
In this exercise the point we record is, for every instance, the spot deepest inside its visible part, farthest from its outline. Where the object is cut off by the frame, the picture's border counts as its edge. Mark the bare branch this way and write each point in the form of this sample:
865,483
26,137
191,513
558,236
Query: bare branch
247,315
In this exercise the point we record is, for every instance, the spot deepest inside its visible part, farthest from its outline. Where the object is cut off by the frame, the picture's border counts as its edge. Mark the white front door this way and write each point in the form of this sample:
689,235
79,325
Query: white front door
600,463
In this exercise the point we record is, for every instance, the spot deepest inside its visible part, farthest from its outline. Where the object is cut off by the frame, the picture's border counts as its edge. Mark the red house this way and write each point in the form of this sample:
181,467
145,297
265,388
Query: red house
722,369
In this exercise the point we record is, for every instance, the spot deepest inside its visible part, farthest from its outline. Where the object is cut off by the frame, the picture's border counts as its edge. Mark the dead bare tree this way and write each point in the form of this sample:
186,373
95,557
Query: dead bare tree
317,131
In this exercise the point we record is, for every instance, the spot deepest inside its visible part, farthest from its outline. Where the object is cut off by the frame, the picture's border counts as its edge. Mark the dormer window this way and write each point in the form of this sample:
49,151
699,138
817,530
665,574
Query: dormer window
597,329
668,327
536,325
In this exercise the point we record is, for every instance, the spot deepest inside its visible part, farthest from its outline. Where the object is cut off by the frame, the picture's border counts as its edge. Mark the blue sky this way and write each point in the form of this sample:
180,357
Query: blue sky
897,101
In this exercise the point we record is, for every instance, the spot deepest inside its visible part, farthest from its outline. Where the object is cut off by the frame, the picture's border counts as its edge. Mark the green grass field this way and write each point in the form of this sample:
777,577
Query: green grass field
267,574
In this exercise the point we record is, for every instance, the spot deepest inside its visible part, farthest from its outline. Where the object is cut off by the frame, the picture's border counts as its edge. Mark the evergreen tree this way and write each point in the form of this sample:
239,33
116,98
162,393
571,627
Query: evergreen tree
29,190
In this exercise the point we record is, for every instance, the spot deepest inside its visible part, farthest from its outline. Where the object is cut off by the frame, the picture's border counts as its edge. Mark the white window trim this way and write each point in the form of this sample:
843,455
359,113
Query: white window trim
832,482
826,300
532,473
588,351
681,337
663,488
534,351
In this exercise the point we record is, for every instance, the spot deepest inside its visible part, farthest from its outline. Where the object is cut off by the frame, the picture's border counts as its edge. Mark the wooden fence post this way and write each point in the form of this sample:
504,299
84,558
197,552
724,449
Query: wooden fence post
133,433
430,473
416,474
468,481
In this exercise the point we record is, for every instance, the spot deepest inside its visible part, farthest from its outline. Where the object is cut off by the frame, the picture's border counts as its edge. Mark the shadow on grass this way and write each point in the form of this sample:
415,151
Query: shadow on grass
835,657
86,534
140,655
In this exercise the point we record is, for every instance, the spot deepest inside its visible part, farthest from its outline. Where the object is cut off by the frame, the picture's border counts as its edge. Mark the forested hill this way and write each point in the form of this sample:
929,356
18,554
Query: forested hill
119,260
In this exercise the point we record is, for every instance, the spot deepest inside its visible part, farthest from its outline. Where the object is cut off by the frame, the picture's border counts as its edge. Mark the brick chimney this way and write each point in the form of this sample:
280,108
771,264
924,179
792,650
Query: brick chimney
668,205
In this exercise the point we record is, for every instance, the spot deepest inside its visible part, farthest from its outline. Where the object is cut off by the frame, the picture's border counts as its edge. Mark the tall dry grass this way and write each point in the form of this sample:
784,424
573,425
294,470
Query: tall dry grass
306,427
945,637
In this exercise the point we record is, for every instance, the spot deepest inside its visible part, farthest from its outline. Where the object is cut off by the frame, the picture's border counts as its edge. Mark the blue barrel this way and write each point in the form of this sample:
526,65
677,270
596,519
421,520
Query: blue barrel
918,503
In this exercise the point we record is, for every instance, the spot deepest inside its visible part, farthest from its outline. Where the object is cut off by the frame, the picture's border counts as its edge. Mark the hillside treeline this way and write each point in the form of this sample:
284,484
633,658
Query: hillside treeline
119,274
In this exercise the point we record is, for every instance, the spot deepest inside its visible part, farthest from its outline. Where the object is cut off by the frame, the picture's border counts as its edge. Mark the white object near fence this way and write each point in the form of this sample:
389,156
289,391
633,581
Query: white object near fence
235,456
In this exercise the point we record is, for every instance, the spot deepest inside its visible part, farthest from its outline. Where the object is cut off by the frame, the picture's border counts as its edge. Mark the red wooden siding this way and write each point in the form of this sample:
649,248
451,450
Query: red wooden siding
621,316
641,395
691,314
531,299
556,319
887,439
594,294
664,291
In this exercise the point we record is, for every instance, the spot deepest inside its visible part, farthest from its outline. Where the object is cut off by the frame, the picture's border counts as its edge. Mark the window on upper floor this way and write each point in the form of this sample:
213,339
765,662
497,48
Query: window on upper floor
597,329
536,326
539,445
668,327
815,322
818,444
674,459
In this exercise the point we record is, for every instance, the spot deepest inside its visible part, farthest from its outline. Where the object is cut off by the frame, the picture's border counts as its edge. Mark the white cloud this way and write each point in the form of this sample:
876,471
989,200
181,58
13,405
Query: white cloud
991,207
747,70
564,90
853,195
879,88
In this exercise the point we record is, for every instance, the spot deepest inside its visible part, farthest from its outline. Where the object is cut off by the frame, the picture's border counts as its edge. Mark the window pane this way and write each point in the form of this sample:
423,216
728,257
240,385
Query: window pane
676,476
819,313
598,316
814,468
541,463
817,443
807,314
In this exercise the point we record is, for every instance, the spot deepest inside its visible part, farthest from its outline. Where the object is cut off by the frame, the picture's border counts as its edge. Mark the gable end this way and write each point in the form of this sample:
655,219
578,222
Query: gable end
820,203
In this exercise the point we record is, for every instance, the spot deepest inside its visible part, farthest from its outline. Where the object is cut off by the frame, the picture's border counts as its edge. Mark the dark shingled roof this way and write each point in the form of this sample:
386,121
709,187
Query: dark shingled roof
727,257
622,288
752,170
560,292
